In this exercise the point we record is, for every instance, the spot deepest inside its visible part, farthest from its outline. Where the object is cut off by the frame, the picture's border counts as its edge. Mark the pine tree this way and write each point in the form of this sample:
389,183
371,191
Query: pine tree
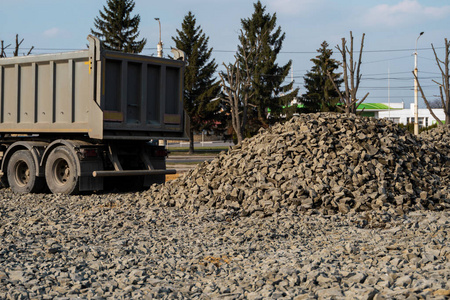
200,87
261,42
117,29
321,94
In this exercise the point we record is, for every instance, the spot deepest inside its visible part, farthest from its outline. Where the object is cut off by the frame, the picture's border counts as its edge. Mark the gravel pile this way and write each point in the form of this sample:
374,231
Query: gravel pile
117,246
328,162
440,137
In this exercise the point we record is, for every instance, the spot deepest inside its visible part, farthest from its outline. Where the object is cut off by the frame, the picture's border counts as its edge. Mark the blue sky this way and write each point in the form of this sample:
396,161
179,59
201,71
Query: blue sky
391,28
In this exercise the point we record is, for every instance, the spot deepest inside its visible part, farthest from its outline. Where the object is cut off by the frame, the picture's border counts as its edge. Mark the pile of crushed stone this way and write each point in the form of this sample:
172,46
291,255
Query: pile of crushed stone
330,163
440,137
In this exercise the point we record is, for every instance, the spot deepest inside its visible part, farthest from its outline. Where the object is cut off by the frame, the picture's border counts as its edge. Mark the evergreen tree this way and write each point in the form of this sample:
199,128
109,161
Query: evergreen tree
117,29
261,42
200,88
321,94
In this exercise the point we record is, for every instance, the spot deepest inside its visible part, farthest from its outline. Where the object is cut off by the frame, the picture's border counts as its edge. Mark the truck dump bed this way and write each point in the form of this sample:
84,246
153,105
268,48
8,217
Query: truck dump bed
98,93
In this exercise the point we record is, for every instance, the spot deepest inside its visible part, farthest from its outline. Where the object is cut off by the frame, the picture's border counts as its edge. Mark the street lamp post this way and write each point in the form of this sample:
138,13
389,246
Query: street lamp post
160,44
416,102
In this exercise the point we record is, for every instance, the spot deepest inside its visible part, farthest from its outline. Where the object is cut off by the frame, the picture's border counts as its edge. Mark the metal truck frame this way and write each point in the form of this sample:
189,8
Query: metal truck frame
74,121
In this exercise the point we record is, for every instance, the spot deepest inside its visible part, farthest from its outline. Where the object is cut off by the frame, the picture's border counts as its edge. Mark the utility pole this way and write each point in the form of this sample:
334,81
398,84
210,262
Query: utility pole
416,102
389,92
160,44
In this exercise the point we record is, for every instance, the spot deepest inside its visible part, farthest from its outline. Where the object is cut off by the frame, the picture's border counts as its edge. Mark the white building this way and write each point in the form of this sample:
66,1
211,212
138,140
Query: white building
397,113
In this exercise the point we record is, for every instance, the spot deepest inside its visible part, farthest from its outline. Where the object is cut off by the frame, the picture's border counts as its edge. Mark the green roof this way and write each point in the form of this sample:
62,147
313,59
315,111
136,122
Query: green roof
376,106
365,106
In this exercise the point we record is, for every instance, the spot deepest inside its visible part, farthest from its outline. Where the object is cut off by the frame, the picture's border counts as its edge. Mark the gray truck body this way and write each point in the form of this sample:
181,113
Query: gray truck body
97,99
104,94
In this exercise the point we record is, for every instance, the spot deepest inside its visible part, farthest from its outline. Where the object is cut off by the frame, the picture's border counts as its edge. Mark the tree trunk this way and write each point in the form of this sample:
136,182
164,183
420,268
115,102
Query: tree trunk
191,140
236,124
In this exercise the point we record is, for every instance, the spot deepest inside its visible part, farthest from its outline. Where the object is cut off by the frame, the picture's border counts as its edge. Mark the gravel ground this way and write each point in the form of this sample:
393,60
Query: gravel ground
118,246
324,206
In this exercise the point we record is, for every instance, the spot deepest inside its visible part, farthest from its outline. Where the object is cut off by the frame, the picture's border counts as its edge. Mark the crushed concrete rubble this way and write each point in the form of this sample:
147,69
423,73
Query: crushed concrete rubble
117,246
322,207
439,137
328,162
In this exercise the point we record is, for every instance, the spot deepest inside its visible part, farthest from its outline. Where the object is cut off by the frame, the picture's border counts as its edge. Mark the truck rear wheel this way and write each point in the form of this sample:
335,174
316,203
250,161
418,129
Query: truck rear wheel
22,173
61,171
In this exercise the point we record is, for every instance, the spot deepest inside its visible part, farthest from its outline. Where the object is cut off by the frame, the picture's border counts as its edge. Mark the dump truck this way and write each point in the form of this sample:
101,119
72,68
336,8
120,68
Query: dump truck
85,120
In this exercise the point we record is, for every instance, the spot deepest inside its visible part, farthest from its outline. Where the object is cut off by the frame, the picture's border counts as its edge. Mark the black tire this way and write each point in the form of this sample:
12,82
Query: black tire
61,171
22,173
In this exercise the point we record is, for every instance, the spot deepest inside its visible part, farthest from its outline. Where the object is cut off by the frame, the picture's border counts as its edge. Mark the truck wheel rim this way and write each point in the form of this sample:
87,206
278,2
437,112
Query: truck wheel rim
22,173
61,171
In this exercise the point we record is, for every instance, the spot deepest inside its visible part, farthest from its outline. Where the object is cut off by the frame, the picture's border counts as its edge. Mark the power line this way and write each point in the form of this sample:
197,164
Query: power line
234,51
395,78
396,87
404,72
368,78
422,57
388,59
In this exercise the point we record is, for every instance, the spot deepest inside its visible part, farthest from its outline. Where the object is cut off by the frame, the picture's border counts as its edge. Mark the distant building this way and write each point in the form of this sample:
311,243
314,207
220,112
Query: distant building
397,113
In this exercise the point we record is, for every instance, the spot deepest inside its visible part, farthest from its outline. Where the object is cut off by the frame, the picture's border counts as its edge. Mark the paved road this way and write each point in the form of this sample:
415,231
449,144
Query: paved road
183,159
182,163
201,145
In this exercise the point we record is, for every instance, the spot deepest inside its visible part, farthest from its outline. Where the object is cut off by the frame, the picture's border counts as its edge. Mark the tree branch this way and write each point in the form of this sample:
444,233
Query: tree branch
3,54
362,100
31,49
426,101
438,61
358,75
16,51
335,86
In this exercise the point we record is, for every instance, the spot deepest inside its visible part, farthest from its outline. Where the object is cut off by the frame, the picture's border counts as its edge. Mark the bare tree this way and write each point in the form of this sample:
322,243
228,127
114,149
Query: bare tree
444,86
236,88
16,48
3,53
351,76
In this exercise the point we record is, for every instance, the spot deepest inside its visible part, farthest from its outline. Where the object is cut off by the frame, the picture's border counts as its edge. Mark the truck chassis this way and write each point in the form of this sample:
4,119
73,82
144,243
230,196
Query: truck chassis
70,166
